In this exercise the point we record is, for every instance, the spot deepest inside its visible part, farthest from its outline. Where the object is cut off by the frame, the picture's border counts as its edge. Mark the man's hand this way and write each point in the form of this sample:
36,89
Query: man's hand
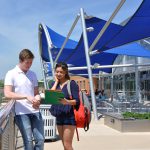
38,97
35,101
36,104
30,98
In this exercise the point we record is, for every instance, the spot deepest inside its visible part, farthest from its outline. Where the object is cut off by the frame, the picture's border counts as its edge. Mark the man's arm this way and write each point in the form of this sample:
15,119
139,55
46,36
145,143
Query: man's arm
37,98
36,93
9,94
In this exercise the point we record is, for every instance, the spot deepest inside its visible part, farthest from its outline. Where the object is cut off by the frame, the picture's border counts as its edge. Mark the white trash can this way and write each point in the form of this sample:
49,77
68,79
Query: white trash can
49,122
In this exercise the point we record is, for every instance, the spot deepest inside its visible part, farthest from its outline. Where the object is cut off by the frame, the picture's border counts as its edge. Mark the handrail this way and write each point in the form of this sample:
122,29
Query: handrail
4,113
7,126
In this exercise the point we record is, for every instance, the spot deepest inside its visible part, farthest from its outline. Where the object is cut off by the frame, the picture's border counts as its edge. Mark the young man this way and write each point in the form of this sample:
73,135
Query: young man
21,85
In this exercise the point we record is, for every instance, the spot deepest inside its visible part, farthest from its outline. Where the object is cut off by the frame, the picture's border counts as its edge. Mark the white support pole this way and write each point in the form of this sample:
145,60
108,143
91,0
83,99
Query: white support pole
49,42
99,81
44,74
41,61
137,81
73,26
107,66
139,60
146,41
88,64
112,87
123,77
106,25
124,85
51,60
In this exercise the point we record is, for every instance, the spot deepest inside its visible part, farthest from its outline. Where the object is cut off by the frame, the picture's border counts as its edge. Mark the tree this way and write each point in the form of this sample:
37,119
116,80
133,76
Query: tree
1,83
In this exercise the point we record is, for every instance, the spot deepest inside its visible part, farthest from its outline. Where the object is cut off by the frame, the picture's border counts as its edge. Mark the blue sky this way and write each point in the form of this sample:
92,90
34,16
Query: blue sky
19,20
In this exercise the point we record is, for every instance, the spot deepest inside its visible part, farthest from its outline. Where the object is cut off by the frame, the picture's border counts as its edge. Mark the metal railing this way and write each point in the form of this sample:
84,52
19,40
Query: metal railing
7,127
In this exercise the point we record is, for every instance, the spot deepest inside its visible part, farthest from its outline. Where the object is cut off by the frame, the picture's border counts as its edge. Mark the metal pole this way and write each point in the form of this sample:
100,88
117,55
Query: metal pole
41,61
140,94
106,25
74,24
88,63
137,81
11,132
123,77
49,43
51,60
107,66
112,87
146,41
99,81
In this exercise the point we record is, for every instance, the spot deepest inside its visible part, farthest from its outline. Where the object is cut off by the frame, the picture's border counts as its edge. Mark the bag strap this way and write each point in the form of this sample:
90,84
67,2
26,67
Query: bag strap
69,88
86,125
82,97
70,95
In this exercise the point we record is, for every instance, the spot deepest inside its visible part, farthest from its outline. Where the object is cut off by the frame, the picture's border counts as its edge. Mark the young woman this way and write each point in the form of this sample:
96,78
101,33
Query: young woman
65,119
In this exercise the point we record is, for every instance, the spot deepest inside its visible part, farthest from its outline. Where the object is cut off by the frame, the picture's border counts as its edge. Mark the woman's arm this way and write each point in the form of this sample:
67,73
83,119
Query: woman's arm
68,102
54,87
75,95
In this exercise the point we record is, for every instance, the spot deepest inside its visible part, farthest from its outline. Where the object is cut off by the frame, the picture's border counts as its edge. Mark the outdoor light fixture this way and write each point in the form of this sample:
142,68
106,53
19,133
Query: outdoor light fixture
87,16
94,52
90,29
70,65
96,65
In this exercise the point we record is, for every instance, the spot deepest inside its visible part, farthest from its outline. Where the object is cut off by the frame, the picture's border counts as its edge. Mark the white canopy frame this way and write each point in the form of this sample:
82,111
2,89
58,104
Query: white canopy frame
88,50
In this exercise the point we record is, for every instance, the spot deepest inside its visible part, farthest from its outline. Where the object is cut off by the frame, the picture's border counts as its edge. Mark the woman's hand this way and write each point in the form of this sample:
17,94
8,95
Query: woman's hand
56,79
64,101
54,87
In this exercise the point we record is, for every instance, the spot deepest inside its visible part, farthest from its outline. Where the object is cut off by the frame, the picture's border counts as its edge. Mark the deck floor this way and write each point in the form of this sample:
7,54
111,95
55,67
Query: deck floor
101,137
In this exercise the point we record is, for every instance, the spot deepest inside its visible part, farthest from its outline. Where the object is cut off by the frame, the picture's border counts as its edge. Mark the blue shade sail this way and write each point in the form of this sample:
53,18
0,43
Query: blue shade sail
108,46
138,27
133,49
56,42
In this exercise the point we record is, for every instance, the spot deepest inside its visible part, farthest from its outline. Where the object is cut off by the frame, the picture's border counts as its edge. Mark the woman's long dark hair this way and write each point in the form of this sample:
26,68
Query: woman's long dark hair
64,66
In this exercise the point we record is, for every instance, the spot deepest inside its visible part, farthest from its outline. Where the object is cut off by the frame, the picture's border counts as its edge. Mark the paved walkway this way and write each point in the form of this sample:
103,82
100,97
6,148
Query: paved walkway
101,137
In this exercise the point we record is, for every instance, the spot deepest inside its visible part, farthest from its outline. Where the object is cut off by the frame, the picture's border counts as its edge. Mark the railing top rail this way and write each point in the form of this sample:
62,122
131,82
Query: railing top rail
4,113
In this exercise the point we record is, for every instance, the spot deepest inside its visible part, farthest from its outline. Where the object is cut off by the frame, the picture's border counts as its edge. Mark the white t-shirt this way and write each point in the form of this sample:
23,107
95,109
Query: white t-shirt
22,84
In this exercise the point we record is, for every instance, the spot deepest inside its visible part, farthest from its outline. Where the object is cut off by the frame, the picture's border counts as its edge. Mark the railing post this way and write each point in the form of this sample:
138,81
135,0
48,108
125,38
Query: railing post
11,133
1,141
7,127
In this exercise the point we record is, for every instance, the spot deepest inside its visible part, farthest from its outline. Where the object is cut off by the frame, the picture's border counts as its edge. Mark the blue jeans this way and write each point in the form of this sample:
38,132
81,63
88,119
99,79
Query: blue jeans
31,126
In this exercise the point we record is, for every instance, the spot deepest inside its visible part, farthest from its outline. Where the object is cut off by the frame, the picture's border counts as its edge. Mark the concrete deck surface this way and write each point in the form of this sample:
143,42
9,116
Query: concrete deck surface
101,137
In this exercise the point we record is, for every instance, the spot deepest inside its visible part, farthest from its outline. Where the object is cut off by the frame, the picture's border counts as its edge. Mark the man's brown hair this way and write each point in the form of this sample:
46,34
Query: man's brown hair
25,54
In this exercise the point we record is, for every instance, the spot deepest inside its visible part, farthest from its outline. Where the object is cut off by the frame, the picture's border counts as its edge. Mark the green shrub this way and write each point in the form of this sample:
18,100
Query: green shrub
1,83
136,115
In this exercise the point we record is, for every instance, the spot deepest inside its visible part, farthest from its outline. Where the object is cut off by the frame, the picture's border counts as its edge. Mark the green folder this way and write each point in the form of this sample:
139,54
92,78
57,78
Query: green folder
53,97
